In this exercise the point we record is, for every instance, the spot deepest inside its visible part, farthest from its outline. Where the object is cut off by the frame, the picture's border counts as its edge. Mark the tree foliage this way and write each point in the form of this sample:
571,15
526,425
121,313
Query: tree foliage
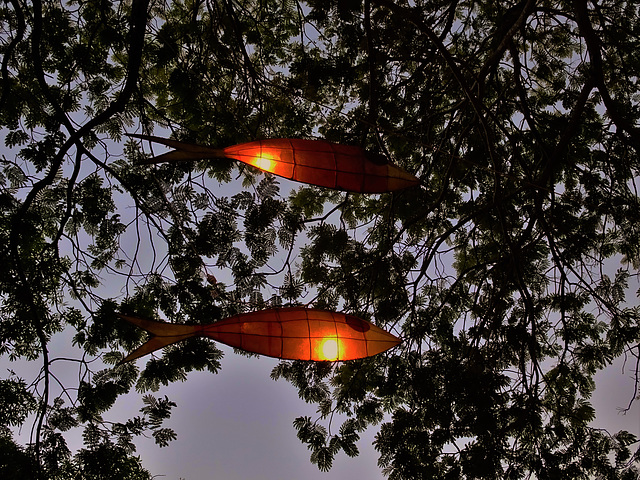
508,273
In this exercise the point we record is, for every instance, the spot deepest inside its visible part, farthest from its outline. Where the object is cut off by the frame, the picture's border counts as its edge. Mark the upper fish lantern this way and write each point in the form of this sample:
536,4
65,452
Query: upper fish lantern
294,333
314,162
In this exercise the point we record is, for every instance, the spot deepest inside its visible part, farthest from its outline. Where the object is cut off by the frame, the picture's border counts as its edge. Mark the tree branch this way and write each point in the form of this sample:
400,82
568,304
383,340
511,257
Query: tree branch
506,38
595,55
448,58
10,49
138,22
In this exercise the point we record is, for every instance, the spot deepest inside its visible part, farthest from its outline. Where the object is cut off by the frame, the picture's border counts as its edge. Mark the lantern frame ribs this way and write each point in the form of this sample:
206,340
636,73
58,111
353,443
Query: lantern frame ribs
314,162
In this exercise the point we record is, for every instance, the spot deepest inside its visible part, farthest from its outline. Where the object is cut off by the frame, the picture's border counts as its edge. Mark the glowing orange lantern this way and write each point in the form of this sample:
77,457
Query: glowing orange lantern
294,333
314,162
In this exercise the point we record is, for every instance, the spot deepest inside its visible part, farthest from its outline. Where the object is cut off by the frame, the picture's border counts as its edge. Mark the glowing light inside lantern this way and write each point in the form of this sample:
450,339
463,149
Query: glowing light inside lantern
265,161
329,349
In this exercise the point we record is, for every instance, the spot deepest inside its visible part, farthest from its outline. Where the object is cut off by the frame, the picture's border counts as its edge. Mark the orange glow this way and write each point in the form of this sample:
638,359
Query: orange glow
264,161
329,349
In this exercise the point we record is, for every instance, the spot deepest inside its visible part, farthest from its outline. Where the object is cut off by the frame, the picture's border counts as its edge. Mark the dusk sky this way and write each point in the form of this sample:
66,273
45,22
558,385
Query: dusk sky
237,425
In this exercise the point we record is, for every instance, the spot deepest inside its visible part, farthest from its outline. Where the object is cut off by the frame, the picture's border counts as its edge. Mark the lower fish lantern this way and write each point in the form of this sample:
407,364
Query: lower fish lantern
294,333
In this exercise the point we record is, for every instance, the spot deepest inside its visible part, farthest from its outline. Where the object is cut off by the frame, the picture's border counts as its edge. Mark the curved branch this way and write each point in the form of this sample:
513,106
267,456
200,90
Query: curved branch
448,58
138,22
595,55
9,52
238,34
371,57
506,38
478,108
568,132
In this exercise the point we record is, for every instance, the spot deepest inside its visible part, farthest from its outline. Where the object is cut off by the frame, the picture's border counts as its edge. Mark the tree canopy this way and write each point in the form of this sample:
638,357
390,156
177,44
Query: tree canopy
508,273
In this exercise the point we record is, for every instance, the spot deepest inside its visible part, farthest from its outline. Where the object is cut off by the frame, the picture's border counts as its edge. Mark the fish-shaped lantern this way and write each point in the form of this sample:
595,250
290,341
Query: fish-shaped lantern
315,162
293,333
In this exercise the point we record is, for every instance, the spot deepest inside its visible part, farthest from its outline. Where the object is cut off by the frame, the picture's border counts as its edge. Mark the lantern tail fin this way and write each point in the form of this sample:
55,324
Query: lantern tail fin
164,334
184,152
